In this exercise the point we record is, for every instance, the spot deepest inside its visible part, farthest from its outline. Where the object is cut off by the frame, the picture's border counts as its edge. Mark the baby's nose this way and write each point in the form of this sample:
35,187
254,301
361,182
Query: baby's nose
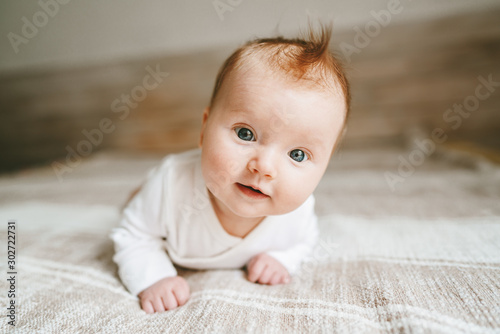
263,163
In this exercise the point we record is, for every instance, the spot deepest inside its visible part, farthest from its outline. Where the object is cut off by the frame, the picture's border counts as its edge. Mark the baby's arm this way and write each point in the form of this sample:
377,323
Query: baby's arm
144,266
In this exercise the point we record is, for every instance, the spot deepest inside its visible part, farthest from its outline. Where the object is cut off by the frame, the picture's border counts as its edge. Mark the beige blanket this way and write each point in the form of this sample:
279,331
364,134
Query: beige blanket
424,258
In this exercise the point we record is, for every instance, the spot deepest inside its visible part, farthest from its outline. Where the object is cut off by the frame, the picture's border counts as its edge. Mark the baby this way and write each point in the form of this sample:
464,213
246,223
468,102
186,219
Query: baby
244,198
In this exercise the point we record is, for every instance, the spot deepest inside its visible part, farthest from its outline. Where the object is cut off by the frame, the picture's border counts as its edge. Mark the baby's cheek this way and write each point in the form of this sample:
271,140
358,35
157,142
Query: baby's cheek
219,168
294,194
288,200
215,175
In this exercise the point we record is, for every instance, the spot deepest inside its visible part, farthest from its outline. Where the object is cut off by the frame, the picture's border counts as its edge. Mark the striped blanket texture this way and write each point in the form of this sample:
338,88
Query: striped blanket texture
423,257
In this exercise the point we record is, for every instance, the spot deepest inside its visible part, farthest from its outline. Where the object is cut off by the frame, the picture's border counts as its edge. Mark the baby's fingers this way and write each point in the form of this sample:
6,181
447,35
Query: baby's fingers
169,301
266,275
158,304
277,278
147,306
181,294
255,270
280,278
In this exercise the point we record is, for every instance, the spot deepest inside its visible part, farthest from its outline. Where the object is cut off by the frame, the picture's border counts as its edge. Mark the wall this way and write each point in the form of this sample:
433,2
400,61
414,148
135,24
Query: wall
80,33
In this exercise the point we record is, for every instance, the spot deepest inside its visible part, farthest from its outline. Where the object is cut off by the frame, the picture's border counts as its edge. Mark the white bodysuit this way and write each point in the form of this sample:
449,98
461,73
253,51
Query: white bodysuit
171,220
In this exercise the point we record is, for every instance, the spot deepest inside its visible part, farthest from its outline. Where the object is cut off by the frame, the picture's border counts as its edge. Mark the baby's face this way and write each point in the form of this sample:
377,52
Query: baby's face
266,143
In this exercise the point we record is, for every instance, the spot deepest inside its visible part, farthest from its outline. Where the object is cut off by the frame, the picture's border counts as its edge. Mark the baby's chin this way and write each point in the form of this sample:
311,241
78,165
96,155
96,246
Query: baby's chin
247,211
253,211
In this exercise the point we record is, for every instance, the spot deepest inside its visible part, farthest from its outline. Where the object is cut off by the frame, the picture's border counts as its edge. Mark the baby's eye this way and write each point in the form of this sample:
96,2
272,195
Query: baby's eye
298,155
245,134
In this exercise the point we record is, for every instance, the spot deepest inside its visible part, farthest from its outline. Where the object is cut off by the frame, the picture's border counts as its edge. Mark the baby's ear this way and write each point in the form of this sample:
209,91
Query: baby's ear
206,111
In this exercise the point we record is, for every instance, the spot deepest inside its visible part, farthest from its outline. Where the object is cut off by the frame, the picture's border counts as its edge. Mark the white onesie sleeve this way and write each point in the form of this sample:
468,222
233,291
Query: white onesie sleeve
308,231
139,247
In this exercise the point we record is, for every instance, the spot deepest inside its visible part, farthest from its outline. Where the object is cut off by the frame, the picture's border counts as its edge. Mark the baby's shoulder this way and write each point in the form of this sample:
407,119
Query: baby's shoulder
181,160
178,170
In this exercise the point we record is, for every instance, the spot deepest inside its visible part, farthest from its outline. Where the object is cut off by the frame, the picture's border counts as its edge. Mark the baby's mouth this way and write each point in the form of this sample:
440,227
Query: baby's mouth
248,187
255,191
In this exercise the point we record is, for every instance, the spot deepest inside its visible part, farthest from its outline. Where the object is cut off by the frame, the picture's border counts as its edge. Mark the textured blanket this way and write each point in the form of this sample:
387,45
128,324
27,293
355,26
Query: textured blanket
420,256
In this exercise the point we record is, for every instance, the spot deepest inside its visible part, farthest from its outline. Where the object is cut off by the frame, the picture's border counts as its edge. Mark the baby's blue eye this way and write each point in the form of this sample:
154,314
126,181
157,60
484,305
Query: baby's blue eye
298,155
244,134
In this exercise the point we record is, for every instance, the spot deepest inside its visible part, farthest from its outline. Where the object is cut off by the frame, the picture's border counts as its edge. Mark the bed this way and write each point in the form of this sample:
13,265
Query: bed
423,257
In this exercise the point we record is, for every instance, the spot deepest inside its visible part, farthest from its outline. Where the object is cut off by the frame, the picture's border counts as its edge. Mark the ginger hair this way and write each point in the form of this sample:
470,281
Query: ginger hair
307,61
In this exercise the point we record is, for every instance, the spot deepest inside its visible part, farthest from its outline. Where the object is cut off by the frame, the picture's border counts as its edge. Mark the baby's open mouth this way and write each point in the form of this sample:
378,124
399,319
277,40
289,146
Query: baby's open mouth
253,190
248,187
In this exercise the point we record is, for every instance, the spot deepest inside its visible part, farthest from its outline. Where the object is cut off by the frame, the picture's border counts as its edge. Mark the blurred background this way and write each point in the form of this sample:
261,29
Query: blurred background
77,77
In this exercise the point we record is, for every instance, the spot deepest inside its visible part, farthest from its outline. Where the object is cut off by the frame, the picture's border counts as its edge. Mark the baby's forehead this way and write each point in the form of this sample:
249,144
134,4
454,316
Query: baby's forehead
252,71
261,86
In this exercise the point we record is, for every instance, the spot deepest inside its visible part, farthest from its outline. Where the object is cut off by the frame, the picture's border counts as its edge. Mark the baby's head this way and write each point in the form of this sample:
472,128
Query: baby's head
277,112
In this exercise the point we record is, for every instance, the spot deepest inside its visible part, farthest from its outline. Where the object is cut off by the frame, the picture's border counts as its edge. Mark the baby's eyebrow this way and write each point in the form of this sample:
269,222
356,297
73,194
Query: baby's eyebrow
239,110
314,142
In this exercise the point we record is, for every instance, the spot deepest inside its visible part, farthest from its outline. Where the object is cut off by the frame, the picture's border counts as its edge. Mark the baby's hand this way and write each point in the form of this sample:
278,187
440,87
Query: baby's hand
165,295
265,269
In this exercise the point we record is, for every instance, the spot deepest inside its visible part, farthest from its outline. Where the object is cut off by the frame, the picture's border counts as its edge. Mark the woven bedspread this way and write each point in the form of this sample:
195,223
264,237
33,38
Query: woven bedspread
420,256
